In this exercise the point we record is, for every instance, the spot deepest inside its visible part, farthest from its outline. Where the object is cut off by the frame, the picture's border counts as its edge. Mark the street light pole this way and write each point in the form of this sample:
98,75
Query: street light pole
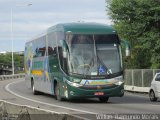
12,40
12,35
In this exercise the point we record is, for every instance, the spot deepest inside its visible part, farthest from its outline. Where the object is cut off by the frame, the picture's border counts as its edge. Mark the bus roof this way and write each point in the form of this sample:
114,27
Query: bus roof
85,28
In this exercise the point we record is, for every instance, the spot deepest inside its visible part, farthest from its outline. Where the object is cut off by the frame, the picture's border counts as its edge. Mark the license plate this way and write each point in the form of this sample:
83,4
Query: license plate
99,93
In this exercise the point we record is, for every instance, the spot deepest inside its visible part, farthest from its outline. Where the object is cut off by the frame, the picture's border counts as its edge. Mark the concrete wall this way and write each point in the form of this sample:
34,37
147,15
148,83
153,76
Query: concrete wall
10,111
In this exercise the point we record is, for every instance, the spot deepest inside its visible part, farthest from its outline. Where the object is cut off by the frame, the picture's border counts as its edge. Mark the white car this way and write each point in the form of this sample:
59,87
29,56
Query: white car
154,92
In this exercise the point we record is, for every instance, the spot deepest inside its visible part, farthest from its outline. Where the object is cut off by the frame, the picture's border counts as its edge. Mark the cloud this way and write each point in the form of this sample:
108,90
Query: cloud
32,20
36,22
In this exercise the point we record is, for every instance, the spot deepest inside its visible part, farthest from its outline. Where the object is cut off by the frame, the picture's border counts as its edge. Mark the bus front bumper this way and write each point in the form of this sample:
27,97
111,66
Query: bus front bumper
79,92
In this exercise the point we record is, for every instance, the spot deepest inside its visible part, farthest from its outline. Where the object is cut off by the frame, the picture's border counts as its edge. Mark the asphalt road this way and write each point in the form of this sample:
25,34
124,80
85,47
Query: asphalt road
15,91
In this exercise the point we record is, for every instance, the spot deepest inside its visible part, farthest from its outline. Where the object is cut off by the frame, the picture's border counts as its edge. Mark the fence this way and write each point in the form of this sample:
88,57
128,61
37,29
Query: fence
139,80
7,77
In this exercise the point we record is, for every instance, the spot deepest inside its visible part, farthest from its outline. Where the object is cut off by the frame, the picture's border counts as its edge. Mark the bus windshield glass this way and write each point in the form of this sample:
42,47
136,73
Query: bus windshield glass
94,55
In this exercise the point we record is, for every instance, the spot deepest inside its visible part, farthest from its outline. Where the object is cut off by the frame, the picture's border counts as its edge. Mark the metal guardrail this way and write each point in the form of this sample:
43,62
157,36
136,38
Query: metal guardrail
7,77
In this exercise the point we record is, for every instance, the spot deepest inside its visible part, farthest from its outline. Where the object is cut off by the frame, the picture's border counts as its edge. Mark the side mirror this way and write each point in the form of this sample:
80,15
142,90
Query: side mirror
64,48
127,48
127,51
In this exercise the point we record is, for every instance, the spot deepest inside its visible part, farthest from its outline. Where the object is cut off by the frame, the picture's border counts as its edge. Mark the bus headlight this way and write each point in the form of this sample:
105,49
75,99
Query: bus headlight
74,84
119,83
76,80
119,80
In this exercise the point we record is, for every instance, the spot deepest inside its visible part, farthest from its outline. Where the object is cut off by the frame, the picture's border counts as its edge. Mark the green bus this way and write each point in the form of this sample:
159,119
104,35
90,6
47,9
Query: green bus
75,60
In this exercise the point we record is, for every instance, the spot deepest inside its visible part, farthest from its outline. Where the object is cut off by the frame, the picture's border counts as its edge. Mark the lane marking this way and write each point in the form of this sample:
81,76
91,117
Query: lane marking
9,90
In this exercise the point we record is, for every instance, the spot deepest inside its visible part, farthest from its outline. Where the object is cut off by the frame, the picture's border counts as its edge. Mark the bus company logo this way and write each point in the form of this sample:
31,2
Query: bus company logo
101,70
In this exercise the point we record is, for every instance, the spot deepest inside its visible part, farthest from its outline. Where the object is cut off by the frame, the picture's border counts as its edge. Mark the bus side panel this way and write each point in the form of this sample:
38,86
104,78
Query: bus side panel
54,71
53,59
40,68
47,82
28,57
40,72
37,72
60,35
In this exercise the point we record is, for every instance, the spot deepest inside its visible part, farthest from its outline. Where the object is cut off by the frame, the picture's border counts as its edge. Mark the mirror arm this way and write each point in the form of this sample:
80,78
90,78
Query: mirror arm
127,48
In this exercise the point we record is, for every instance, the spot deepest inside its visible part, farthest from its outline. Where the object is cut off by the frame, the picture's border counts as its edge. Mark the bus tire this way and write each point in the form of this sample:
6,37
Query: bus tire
33,88
103,99
57,92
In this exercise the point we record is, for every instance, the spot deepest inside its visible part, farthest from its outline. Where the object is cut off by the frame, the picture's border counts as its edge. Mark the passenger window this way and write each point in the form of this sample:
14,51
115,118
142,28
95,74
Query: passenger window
50,50
40,47
52,44
157,77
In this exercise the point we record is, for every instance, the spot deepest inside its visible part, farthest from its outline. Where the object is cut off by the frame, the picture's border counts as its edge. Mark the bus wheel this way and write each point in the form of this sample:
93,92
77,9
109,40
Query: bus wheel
57,92
103,99
33,88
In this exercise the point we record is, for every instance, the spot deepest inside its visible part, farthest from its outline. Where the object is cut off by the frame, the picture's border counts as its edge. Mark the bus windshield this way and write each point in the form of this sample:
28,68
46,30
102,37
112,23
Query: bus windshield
94,55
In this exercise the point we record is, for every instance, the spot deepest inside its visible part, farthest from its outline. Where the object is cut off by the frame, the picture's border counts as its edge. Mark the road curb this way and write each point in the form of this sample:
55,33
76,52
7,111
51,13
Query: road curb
136,89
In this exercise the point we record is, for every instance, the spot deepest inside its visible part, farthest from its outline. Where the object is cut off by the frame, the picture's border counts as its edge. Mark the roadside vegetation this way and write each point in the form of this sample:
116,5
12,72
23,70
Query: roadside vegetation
6,59
138,21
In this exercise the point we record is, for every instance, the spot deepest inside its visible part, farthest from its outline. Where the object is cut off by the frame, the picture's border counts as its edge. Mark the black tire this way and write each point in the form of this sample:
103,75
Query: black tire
57,93
103,99
152,96
33,88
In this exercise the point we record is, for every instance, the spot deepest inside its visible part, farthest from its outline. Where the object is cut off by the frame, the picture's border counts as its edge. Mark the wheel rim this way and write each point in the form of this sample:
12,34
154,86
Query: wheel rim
33,89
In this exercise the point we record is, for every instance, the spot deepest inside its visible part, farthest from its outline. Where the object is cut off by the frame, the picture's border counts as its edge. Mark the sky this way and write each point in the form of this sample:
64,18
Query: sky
29,21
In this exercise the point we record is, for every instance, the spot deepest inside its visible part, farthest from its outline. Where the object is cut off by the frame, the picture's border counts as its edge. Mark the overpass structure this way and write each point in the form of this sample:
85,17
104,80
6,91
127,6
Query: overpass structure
5,69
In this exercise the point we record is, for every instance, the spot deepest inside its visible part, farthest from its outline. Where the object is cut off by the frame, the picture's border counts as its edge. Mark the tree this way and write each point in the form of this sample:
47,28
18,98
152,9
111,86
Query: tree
139,22
7,60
